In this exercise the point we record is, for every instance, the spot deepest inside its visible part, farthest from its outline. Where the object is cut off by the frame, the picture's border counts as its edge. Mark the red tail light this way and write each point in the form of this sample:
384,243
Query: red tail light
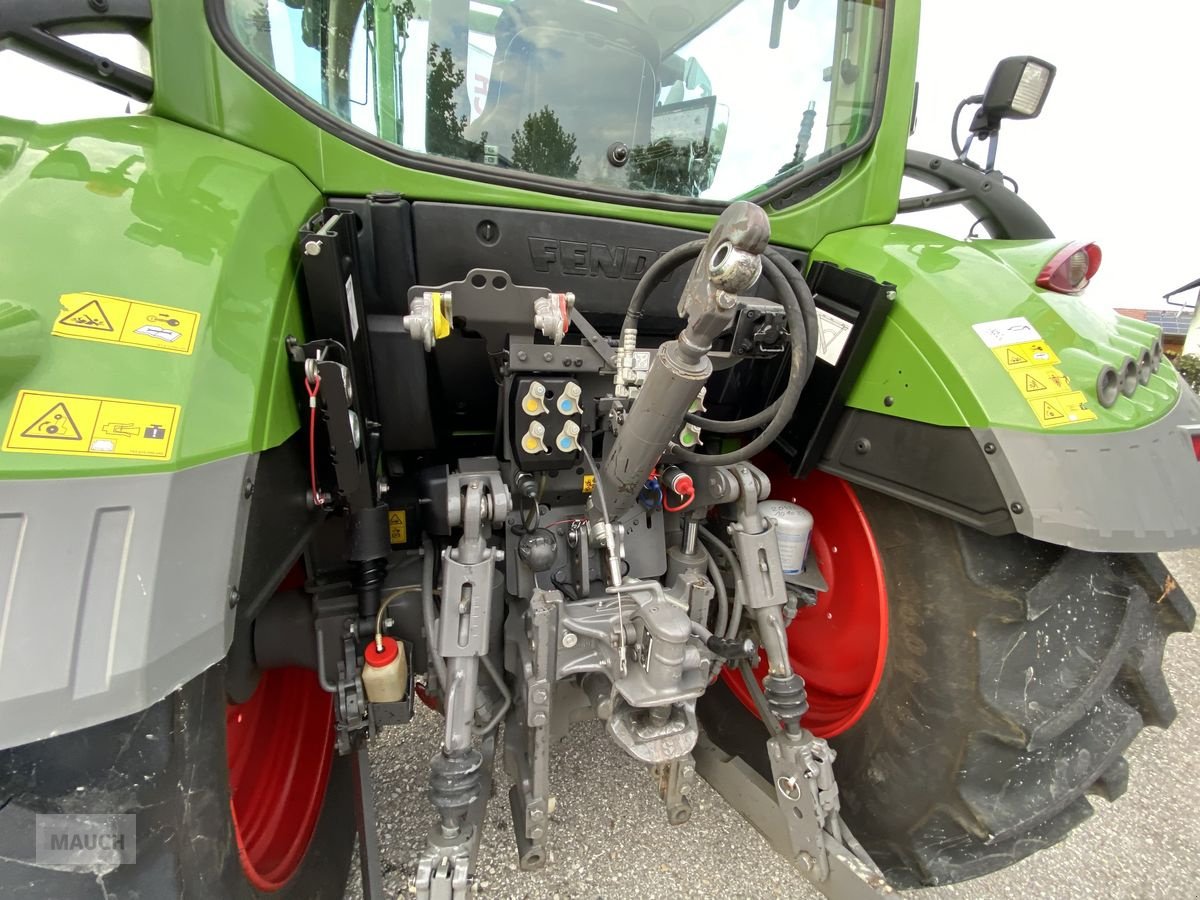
1196,444
1071,268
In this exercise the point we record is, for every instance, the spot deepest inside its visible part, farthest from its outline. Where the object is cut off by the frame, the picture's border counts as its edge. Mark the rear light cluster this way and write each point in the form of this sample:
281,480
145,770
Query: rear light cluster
1071,268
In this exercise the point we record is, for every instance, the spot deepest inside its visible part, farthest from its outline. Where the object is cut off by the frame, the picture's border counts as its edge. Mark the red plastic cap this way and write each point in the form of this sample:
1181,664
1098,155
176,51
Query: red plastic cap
681,483
377,659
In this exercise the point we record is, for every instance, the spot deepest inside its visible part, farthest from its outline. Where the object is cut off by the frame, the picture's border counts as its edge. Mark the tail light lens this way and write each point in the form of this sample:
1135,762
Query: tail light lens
1196,444
1071,268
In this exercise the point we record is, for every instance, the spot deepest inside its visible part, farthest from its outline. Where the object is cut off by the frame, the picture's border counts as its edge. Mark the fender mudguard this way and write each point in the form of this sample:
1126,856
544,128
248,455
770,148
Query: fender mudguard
980,399
148,281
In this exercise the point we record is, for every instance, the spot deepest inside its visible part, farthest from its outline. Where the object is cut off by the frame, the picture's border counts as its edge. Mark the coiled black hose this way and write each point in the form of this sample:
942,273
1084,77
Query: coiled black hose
801,311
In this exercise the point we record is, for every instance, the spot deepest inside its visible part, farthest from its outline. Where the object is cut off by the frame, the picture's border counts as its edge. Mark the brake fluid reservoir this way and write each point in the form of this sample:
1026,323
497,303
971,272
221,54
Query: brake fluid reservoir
385,675
793,530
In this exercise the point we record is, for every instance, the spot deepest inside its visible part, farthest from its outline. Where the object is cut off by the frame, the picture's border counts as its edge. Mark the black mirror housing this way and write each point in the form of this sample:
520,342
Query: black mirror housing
1016,90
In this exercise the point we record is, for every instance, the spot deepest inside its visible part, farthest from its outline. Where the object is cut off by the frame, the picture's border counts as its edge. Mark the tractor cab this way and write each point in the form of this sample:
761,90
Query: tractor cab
637,96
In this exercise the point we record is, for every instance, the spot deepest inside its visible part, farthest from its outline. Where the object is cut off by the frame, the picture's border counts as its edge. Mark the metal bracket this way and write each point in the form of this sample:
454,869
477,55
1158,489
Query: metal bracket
527,730
598,342
368,836
802,768
849,873
445,878
675,782
349,695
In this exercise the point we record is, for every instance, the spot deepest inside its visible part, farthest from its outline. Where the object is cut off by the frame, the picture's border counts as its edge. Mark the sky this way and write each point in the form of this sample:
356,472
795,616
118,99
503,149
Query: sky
1106,161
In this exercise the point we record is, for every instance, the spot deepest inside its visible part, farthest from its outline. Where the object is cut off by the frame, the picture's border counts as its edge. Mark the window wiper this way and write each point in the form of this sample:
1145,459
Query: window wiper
777,20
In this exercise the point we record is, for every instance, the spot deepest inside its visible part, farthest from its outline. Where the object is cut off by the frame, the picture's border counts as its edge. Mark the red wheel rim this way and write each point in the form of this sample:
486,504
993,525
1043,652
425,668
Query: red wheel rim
279,745
839,645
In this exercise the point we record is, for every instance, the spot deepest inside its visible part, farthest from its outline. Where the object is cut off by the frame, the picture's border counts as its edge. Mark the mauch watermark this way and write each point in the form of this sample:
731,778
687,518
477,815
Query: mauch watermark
86,840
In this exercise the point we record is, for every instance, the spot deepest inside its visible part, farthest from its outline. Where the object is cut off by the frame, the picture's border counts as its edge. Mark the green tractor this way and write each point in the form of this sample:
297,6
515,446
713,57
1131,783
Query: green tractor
545,359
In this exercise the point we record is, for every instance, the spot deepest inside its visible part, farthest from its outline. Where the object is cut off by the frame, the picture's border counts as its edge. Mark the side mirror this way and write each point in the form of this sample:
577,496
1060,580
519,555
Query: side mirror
1016,90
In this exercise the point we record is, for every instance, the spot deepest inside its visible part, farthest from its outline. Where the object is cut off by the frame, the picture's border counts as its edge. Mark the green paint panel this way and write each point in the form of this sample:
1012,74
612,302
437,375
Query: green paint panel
934,366
153,211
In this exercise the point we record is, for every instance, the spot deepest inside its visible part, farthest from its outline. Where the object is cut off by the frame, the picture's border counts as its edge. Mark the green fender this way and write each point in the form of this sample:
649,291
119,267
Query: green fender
943,416
148,210
929,364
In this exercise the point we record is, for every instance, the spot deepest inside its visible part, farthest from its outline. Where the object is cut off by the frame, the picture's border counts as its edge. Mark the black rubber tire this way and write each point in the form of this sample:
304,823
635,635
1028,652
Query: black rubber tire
1017,674
167,766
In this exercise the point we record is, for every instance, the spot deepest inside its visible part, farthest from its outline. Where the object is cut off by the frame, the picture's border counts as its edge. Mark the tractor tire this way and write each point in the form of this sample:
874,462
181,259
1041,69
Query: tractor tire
168,765
1016,675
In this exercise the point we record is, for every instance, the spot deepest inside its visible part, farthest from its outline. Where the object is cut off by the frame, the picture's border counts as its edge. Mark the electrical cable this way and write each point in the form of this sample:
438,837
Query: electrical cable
960,151
531,521
312,388
567,590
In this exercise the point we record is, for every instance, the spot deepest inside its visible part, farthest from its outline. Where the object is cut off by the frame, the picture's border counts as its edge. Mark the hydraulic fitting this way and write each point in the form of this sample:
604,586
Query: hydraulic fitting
552,315
568,399
568,439
534,401
534,439
429,317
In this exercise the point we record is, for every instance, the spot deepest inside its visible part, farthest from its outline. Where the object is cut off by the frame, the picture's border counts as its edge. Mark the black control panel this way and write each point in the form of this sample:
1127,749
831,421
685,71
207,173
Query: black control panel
547,422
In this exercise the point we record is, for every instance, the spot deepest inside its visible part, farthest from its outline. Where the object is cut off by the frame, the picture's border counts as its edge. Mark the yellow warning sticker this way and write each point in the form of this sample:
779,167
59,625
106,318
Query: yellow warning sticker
398,526
113,320
91,426
1063,410
1040,381
589,482
1030,353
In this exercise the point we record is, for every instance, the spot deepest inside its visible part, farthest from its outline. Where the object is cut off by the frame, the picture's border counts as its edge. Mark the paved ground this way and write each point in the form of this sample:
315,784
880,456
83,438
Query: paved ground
610,839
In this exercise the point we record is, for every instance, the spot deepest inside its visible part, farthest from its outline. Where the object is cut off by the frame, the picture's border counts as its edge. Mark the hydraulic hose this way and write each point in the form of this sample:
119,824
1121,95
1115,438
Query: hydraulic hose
658,272
800,309
427,612
722,596
735,614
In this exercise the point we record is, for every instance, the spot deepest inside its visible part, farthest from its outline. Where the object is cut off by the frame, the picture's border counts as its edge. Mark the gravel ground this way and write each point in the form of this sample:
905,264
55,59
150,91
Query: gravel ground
610,838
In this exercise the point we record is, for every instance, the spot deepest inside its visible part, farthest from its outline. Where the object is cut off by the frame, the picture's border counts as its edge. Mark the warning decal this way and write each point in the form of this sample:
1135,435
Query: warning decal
1063,410
1031,363
55,424
91,426
1030,353
113,320
397,526
1041,381
1006,331
90,316
832,334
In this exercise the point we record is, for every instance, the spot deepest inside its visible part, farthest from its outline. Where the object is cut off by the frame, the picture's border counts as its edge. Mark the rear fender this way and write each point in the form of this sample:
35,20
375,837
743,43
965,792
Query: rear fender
121,540
943,416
